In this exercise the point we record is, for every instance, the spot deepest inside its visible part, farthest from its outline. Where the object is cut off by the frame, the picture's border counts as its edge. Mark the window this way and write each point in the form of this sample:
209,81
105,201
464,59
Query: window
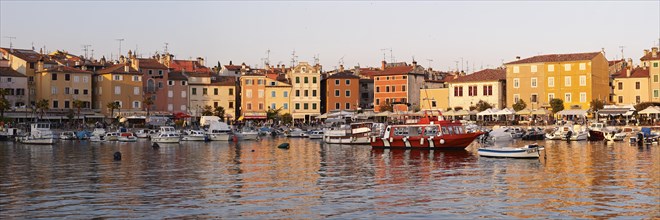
655,78
313,92
458,91
637,85
534,68
313,106
377,89
183,94
404,77
551,96
205,91
533,98
516,83
272,105
620,85
472,90
116,77
567,97
487,90
583,80
387,89
313,79
655,64
534,82
567,67
261,93
285,106
336,92
248,81
215,91
67,104
183,83
336,82
170,82
516,98
551,68
136,104
117,90
66,90
261,106
170,94
53,76
348,82
85,79
348,105
249,106
231,91
434,104
337,105
67,77
248,93
160,84
286,94
393,77
56,104
403,88
297,93
348,93
583,97
160,72
151,72
305,106
377,101
297,106
583,66
393,88
53,90
260,82
638,99
620,99
76,78
85,92
136,79
297,79
306,93
272,94
516,69
76,91
194,91
231,104
655,93
183,107
567,81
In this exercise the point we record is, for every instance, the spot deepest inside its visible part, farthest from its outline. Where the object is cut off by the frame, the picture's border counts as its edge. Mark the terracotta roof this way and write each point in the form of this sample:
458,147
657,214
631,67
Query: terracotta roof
233,67
24,54
613,62
189,66
485,75
368,72
649,56
224,81
145,63
118,69
253,74
65,69
395,70
343,75
635,73
556,58
8,71
176,76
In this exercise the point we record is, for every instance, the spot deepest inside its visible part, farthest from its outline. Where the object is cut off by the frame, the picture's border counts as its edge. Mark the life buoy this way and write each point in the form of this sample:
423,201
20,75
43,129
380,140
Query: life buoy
442,141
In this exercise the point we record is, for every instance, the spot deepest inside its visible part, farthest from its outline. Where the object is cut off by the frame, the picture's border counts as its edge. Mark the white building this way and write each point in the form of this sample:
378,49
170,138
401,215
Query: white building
487,85
14,83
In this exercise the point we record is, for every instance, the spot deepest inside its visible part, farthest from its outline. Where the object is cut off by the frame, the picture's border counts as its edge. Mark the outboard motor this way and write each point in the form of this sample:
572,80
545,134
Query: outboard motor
568,135
640,139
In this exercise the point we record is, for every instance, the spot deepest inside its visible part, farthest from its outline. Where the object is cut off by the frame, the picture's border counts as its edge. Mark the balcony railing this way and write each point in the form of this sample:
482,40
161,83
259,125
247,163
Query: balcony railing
150,89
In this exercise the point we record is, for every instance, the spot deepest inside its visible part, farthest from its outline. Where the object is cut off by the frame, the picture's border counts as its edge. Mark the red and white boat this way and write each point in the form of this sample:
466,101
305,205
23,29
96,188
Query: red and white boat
428,133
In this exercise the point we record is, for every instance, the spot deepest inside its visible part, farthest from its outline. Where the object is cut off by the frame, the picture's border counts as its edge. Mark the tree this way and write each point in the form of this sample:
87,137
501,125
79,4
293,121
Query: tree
520,105
148,102
42,106
449,108
287,118
596,105
4,103
644,105
78,105
472,108
458,108
483,105
557,105
207,110
386,106
70,114
273,114
112,106
220,112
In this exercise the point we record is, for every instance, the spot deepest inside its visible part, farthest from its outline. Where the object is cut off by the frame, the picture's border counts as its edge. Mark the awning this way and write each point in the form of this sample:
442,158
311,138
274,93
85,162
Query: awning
524,112
541,112
489,111
573,112
650,110
384,114
616,111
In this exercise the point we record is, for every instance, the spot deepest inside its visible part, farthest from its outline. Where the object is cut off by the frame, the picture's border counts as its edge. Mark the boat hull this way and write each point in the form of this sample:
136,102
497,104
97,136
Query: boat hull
509,152
247,136
456,141
165,139
127,139
316,136
596,135
346,140
219,137
27,140
193,138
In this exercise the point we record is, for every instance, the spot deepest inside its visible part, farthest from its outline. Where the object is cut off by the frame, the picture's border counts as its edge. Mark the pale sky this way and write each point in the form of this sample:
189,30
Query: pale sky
481,33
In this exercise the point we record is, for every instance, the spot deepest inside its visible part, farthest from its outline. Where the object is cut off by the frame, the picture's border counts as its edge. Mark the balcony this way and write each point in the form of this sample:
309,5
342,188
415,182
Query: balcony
149,89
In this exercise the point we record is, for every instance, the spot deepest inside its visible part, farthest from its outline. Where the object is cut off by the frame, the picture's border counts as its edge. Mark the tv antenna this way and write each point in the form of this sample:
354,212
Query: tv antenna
120,40
11,45
86,48
391,55
622,57
316,59
267,61
293,58
166,46
430,61
341,61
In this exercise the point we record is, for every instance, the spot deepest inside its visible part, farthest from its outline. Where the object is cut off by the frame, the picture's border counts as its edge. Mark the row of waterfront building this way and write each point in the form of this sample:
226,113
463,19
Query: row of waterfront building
162,84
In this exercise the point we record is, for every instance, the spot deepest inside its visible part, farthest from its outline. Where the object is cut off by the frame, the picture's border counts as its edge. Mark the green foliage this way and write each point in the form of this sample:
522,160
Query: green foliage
457,108
42,106
220,112
70,114
273,114
596,105
483,105
287,118
557,105
4,106
520,105
148,102
644,105
386,106
207,110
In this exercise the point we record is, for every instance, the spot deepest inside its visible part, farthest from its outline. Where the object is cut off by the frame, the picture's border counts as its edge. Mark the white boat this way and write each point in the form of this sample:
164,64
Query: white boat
355,133
296,132
127,137
111,136
575,133
502,134
516,132
555,134
219,131
193,135
68,135
40,133
247,134
315,134
145,133
166,134
527,151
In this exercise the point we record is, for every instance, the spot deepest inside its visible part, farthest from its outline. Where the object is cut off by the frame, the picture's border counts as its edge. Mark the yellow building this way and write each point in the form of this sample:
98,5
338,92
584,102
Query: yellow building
434,99
62,85
305,86
574,78
118,83
213,91
25,62
631,87
278,95
651,60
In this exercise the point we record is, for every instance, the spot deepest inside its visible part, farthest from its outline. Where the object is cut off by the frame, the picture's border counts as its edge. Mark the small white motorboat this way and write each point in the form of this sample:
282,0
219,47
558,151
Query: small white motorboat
111,136
68,135
500,135
40,133
219,131
127,137
193,135
315,134
297,132
166,134
527,151
247,134
145,133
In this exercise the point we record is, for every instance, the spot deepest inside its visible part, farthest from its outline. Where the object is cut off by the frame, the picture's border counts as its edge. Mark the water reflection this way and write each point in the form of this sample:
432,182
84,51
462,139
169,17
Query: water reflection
252,179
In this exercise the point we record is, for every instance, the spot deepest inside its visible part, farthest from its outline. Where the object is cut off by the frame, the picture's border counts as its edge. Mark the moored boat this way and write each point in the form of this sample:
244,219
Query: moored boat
247,134
354,133
194,135
219,131
40,133
428,133
127,137
166,134
68,135
315,134
527,151
296,132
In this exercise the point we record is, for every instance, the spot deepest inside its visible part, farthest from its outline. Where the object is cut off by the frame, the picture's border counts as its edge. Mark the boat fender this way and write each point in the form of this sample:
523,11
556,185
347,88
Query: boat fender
442,141
421,141
155,146
391,139
405,139
117,156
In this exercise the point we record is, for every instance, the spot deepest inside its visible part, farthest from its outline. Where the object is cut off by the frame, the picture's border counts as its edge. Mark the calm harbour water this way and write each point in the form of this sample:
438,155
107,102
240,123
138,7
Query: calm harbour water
311,180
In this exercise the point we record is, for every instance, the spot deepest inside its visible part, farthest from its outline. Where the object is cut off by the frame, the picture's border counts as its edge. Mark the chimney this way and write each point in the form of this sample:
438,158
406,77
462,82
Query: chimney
383,64
646,51
629,63
628,71
517,57
200,61
341,68
4,62
122,59
230,63
654,52
414,63
126,68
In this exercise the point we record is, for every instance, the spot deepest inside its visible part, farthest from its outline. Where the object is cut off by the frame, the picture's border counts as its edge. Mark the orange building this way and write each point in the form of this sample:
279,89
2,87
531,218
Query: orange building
341,92
253,96
398,84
